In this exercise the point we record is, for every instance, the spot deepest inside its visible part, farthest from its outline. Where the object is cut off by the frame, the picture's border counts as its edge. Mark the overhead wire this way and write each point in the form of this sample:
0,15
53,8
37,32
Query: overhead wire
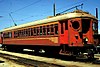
72,4
26,6
43,13
56,9
10,14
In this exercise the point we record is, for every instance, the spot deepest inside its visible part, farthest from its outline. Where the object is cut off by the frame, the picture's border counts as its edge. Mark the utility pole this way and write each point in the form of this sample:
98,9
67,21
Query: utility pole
97,17
96,12
54,9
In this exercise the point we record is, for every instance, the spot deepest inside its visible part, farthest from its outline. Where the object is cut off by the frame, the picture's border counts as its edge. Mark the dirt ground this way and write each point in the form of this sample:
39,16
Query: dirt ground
8,63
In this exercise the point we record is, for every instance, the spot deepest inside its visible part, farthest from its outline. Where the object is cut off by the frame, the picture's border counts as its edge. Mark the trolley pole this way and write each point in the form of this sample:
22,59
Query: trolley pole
12,19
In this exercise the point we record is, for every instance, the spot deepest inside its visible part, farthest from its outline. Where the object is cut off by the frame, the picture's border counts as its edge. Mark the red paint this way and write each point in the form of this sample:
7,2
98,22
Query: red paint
73,34
70,37
1,39
24,41
64,35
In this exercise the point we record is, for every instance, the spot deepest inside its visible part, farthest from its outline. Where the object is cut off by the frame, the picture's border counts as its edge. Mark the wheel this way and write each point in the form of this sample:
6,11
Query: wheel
90,54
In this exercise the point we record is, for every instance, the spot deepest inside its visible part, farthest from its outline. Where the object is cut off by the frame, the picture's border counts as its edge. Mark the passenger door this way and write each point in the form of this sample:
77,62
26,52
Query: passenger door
63,32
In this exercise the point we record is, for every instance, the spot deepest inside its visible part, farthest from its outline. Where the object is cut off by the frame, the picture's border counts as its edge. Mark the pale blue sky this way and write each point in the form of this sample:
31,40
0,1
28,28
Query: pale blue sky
24,11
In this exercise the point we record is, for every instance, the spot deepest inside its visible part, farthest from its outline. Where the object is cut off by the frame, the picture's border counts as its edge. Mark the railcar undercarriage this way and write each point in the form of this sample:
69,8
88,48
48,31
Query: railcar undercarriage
79,52
50,50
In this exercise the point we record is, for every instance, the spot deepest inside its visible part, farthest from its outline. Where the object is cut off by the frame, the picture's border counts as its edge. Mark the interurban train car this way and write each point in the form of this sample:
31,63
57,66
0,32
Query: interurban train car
66,34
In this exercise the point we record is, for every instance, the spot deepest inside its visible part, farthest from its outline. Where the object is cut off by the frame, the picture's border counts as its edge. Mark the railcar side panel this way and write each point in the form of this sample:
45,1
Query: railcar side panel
1,39
47,41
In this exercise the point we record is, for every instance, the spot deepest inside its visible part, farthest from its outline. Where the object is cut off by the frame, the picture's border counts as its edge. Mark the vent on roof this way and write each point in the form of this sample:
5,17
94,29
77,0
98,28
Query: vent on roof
80,11
50,16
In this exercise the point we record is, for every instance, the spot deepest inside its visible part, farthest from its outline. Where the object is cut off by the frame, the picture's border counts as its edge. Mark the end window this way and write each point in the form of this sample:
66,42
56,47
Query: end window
75,24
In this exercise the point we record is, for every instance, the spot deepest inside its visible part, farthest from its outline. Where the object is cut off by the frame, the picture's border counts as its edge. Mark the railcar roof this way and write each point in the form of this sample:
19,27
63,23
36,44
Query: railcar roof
74,14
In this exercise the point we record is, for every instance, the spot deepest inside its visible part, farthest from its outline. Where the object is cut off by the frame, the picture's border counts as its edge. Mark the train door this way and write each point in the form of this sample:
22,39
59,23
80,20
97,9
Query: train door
74,32
63,32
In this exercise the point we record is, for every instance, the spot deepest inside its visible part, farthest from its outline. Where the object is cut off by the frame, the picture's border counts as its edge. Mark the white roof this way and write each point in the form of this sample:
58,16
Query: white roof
52,19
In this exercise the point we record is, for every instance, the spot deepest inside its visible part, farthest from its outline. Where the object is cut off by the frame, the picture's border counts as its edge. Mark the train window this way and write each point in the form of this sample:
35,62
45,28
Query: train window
75,24
66,25
24,32
27,32
56,28
4,35
62,30
21,34
85,25
31,31
40,30
8,35
95,26
15,34
48,30
35,29
44,30
52,29
18,33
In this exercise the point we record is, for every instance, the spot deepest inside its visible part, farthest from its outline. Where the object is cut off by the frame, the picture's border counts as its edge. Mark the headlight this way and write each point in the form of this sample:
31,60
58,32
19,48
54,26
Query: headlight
86,39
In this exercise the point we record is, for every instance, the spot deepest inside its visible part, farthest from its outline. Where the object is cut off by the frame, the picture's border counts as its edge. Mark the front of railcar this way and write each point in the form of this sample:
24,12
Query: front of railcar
82,26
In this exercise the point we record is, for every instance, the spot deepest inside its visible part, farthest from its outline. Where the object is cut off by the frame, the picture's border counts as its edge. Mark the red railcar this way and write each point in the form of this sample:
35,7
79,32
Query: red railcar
68,34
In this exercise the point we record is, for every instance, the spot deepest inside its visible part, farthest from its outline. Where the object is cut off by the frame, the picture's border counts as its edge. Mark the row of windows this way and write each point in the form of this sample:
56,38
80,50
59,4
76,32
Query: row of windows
42,30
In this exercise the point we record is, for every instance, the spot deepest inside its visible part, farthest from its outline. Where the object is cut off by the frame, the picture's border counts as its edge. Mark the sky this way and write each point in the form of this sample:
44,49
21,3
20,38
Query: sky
24,11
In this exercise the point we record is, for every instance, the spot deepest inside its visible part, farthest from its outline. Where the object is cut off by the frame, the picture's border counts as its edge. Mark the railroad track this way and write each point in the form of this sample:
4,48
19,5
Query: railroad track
27,62
38,61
